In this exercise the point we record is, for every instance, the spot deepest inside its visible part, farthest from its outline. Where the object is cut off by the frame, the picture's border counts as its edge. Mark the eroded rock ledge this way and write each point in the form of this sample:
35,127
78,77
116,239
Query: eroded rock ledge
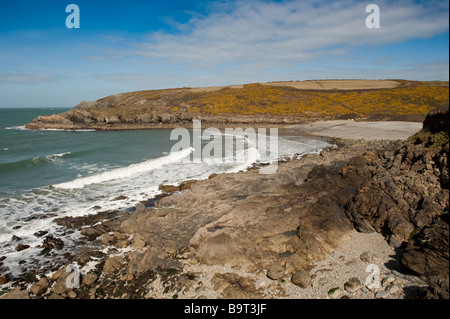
240,224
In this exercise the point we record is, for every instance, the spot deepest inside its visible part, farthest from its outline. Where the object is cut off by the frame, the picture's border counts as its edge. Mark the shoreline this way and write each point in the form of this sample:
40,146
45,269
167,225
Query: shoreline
138,250
303,124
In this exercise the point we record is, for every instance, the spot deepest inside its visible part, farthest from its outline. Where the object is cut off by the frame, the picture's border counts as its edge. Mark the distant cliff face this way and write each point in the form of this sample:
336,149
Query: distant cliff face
282,103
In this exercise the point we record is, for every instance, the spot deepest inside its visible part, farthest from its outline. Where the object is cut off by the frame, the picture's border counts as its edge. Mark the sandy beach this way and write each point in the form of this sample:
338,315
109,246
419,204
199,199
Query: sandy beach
382,130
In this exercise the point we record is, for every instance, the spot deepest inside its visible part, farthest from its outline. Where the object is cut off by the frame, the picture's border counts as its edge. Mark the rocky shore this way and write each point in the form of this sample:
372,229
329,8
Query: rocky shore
368,219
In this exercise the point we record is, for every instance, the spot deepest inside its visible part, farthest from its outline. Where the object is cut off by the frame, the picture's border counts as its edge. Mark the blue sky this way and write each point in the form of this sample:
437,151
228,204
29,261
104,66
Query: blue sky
145,44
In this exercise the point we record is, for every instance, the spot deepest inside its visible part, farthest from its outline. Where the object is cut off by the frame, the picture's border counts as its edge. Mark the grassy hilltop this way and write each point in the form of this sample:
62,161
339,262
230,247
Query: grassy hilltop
276,102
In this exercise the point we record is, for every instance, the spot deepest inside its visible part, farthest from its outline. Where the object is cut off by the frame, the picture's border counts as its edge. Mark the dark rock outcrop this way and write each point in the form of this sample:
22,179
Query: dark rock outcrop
401,192
404,194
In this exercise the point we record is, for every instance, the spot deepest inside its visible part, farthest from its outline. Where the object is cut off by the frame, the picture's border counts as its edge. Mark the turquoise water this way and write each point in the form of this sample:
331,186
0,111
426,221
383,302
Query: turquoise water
32,159
48,174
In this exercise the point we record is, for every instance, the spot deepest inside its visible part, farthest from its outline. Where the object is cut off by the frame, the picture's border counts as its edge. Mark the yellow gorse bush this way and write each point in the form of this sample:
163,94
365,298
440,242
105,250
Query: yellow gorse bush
410,97
261,99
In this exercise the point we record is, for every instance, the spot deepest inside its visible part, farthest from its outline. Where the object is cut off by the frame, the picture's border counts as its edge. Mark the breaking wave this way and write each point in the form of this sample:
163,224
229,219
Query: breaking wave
31,162
127,171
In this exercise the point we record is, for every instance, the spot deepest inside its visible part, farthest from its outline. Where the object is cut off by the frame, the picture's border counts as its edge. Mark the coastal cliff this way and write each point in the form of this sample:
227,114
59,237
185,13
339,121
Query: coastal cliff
307,231
253,104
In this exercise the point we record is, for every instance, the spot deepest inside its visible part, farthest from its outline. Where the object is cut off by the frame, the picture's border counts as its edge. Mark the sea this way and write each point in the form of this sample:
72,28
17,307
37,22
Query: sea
46,174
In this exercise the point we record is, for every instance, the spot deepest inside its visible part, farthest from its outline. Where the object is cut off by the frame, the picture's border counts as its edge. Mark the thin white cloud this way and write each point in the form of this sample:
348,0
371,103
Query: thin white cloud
246,74
257,40
428,71
291,31
129,77
26,78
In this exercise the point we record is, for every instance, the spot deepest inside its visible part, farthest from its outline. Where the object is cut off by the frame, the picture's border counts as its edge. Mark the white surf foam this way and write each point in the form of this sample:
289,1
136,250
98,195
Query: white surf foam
126,171
137,182
49,158
52,129
19,127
